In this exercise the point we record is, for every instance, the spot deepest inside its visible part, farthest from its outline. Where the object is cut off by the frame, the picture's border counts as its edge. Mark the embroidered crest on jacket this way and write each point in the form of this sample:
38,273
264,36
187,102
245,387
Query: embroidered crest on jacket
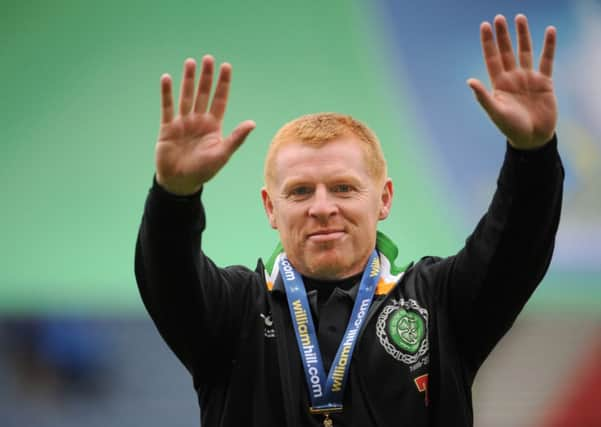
402,329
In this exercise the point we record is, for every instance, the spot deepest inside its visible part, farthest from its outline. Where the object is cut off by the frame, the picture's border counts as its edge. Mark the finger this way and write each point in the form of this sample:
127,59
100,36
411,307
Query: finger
504,43
483,96
221,92
548,54
186,96
238,135
490,52
166,99
524,42
204,85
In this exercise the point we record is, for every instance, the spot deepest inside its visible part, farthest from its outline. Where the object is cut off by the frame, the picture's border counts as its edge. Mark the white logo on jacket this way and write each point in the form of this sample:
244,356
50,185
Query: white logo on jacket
269,330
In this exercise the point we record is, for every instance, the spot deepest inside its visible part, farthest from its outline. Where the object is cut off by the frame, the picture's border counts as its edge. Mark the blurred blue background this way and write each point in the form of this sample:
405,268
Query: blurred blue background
80,105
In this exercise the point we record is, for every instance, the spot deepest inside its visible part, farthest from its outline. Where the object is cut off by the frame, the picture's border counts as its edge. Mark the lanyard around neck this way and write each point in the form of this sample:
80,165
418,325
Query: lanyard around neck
326,392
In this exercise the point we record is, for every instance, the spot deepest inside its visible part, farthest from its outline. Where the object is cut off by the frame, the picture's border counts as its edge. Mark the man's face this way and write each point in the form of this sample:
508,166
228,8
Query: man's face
326,207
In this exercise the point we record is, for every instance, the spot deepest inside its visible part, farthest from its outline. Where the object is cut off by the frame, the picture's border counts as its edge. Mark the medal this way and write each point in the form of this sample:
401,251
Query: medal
327,421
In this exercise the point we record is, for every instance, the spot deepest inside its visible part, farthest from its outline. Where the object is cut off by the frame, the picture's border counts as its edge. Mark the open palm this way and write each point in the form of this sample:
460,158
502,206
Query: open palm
191,148
522,103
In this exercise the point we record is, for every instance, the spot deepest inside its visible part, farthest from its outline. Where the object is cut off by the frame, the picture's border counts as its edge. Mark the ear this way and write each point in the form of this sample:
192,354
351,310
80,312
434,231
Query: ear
268,205
386,199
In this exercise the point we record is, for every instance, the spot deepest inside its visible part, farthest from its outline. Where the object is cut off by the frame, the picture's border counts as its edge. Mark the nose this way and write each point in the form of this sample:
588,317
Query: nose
323,205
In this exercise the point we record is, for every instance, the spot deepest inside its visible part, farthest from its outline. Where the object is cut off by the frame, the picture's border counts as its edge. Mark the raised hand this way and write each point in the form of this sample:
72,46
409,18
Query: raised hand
191,149
522,102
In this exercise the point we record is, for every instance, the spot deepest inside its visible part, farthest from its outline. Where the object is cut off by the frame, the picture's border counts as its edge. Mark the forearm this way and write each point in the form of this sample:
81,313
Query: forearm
168,242
516,237
509,252
189,298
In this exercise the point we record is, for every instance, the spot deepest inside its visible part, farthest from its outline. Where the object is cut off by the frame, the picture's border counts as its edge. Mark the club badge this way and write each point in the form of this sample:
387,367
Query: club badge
402,329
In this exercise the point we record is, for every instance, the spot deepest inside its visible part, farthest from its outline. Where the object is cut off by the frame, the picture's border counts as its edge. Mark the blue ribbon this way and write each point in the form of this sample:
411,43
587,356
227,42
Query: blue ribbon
326,392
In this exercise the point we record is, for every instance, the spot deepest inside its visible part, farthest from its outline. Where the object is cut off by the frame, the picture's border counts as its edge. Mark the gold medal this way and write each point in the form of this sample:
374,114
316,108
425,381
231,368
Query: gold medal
327,421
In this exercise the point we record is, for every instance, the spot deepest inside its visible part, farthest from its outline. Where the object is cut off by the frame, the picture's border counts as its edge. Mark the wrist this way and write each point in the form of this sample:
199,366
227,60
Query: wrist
178,187
532,144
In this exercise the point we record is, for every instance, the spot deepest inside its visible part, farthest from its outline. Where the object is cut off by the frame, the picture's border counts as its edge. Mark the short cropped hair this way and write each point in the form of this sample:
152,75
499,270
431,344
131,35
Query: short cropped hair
320,128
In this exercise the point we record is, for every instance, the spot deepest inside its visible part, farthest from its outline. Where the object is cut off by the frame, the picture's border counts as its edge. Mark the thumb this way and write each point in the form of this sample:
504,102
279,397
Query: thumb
238,135
482,95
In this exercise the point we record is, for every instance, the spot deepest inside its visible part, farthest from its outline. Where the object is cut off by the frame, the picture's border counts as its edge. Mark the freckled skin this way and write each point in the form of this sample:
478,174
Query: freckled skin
326,207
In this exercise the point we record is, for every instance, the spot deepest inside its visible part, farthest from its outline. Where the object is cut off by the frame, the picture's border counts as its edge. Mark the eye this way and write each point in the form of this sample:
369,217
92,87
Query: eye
342,188
300,191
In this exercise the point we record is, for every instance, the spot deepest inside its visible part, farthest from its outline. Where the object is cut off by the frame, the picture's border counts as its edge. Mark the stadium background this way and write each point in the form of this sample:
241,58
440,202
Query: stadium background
80,116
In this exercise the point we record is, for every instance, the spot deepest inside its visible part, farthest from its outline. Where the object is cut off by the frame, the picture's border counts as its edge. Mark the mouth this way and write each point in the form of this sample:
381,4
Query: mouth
321,236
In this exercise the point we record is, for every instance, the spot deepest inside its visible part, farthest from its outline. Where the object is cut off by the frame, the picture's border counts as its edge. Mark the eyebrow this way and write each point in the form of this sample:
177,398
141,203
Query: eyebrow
335,178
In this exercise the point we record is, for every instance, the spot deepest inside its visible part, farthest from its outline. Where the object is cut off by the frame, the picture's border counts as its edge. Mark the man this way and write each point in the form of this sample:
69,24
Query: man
330,331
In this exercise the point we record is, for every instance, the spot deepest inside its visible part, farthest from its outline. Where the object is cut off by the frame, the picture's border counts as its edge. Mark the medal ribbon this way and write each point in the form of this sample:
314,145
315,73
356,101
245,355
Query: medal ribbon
326,392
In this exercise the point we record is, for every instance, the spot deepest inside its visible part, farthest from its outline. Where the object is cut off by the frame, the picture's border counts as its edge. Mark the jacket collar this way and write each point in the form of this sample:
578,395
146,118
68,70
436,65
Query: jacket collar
387,251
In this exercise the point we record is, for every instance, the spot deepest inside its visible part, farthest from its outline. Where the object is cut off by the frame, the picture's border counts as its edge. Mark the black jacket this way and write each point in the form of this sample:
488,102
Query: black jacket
232,330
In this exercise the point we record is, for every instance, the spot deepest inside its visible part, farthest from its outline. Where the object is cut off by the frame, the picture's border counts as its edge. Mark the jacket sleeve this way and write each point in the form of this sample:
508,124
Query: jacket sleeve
196,306
485,286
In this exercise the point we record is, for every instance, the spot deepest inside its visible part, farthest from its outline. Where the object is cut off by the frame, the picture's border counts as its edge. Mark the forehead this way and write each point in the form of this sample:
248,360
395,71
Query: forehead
343,156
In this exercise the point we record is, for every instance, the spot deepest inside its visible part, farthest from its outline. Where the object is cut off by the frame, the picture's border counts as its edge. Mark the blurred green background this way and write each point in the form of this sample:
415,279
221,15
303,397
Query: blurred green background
80,110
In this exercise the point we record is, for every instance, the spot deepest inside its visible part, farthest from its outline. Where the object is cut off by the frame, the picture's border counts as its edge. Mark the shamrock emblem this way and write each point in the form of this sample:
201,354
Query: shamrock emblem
407,328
